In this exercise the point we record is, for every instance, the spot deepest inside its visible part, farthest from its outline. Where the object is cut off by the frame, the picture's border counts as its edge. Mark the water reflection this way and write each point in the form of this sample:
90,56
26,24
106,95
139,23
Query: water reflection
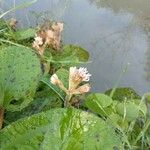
114,31
139,7
140,24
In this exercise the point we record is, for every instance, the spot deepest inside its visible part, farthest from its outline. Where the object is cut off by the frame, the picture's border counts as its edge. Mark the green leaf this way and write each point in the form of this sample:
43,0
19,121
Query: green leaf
25,34
142,106
63,75
71,55
81,53
116,120
20,71
3,24
130,110
65,129
125,93
98,103
44,99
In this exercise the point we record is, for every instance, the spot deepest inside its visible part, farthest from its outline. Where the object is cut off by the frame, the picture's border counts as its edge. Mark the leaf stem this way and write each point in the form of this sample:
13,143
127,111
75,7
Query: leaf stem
1,116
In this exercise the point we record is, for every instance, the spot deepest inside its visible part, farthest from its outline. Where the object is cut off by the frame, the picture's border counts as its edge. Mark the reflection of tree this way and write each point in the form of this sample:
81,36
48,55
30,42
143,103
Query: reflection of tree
141,11
140,7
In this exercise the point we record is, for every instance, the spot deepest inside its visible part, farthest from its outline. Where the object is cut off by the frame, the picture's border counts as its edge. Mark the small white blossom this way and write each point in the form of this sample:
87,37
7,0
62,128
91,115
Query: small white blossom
83,73
54,79
38,40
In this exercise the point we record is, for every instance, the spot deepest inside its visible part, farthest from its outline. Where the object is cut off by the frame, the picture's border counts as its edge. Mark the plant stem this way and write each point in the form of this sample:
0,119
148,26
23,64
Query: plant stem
67,100
1,116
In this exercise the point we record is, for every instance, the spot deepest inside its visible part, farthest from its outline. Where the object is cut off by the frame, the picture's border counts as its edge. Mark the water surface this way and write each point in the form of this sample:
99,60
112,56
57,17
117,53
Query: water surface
115,32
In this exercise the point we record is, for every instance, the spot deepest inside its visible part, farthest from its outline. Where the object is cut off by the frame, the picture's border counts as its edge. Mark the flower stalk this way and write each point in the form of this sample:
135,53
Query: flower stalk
67,100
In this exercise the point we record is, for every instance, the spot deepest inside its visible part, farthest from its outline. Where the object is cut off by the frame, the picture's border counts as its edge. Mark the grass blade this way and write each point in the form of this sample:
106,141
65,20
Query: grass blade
18,7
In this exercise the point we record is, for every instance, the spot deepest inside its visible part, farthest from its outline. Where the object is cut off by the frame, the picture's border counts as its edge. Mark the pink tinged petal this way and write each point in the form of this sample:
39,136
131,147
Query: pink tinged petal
72,71
58,26
72,74
54,79
82,89
50,34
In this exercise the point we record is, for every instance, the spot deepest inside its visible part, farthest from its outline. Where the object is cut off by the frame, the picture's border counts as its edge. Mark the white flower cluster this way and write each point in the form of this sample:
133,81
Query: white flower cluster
76,76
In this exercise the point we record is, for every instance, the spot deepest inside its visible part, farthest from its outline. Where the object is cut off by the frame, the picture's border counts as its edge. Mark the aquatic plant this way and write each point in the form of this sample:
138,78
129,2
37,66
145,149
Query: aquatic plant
76,77
37,74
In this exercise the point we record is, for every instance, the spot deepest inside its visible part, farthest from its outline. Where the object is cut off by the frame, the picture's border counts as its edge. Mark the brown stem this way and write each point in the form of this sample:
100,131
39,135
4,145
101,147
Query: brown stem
1,116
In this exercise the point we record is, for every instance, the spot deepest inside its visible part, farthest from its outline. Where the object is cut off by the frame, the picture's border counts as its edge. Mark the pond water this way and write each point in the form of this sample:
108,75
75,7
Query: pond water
115,32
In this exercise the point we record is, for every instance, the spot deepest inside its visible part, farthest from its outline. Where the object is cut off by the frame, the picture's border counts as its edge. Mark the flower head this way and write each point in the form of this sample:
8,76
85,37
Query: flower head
76,76
50,34
48,37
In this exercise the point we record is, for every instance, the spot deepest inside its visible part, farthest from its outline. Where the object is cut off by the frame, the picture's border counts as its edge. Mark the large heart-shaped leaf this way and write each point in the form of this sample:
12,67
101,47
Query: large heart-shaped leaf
19,75
65,129
44,99
132,109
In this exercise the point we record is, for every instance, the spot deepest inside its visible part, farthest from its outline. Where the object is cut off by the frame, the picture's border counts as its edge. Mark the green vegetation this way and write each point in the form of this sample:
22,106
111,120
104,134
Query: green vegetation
44,102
